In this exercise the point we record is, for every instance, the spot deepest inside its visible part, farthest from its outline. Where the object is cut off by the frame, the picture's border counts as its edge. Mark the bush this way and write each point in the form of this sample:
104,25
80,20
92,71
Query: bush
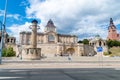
105,53
4,52
8,52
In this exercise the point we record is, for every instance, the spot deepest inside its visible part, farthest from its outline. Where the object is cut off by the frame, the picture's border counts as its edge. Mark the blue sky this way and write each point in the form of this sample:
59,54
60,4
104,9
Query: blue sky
15,11
84,18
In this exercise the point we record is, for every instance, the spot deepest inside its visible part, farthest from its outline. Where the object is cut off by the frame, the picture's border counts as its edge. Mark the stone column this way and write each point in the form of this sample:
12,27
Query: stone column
34,34
32,52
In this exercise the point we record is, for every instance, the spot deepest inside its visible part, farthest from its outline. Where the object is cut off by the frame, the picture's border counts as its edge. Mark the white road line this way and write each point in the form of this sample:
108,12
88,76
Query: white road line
18,70
117,68
9,77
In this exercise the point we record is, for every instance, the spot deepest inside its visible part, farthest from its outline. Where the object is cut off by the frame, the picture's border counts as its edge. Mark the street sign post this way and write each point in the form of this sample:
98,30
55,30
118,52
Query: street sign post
99,49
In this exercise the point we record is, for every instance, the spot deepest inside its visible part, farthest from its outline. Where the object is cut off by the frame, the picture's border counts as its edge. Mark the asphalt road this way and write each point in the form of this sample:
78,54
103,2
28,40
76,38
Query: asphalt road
60,74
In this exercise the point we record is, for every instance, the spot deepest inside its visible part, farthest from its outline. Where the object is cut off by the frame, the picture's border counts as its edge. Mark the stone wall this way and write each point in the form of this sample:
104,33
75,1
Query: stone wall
52,49
89,51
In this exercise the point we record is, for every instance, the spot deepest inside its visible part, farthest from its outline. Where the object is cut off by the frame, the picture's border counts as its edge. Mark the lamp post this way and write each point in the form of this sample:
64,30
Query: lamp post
2,32
2,41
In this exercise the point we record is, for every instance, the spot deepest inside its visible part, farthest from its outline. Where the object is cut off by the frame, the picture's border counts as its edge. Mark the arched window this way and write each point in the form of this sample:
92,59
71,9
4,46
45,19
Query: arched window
100,43
92,44
51,38
104,44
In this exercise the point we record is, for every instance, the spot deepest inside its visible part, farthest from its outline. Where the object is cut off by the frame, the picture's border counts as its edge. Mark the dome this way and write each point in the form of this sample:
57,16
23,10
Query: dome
97,37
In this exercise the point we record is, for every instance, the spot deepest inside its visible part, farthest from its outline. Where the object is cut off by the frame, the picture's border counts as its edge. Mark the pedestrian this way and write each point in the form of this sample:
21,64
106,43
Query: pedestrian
69,58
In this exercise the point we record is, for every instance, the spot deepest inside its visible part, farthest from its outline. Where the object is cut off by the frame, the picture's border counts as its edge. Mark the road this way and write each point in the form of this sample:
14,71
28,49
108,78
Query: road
60,74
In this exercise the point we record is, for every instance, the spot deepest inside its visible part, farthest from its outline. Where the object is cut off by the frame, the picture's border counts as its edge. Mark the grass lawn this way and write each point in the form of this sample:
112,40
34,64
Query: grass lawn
115,51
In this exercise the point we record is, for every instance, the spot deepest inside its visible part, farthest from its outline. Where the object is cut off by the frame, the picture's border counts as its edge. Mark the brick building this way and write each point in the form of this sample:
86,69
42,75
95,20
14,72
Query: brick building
112,32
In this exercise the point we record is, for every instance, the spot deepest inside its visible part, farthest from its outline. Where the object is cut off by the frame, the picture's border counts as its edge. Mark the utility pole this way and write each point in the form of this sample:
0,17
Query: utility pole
3,30
4,19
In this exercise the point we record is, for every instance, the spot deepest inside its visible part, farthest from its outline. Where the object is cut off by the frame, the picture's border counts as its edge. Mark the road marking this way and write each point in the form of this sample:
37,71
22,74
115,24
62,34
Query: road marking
18,70
9,77
117,68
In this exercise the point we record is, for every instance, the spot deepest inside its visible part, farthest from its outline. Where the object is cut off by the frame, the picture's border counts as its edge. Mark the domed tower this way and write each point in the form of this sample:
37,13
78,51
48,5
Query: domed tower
50,27
112,33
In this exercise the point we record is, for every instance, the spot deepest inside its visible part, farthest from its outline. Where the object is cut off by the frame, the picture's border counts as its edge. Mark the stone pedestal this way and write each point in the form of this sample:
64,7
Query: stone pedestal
32,54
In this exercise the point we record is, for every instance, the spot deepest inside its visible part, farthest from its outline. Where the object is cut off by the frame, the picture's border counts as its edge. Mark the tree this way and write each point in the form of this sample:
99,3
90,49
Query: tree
112,43
4,52
80,41
8,52
85,41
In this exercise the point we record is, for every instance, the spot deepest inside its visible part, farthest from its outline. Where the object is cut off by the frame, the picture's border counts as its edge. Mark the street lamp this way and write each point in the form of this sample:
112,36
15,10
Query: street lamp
2,40
2,32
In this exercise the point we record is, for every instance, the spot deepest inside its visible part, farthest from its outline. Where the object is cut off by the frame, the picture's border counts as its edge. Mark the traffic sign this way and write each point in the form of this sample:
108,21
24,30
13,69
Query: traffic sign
99,49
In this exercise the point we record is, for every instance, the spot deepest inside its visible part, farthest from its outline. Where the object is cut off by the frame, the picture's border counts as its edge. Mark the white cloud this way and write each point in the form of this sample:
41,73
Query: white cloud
15,29
15,16
84,18
76,16
1,12
24,3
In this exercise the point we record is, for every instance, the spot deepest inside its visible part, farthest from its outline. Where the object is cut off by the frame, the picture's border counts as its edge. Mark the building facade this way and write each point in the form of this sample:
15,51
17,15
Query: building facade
96,42
112,32
8,40
53,43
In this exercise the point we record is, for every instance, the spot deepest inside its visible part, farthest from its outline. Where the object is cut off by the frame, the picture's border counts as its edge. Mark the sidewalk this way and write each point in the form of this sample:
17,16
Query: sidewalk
61,62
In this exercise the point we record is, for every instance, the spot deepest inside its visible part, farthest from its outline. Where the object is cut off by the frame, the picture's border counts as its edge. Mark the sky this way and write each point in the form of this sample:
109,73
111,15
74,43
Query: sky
84,18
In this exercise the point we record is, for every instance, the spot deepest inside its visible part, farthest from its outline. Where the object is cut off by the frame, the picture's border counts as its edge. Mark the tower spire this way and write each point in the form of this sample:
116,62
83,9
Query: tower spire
112,33
50,23
112,24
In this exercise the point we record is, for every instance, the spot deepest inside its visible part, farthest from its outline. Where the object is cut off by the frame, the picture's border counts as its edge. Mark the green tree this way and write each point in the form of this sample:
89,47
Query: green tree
112,43
80,41
9,52
85,41
4,52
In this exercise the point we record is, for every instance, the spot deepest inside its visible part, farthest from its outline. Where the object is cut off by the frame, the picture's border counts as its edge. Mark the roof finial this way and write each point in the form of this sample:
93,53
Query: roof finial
50,22
111,21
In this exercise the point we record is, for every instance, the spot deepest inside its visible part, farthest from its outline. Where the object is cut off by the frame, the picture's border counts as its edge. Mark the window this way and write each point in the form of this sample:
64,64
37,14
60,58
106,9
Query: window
51,38
28,41
7,40
100,43
104,44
